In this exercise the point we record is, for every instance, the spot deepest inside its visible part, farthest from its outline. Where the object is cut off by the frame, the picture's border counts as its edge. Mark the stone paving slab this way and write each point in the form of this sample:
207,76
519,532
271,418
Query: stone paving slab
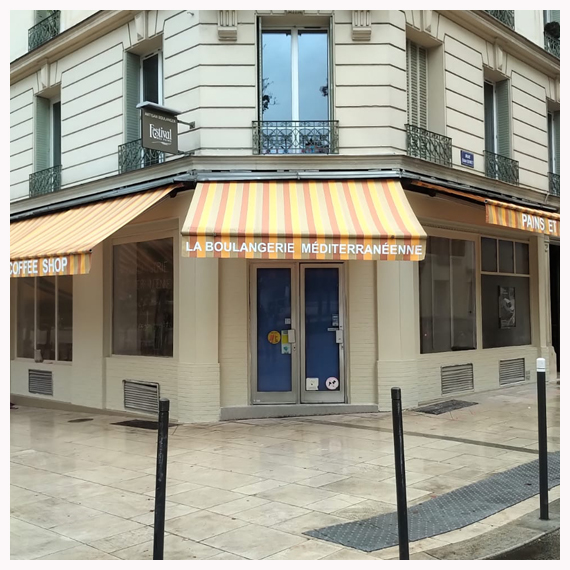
448,512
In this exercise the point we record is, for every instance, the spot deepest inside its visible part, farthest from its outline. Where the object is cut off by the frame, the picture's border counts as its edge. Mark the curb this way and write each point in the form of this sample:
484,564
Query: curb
503,540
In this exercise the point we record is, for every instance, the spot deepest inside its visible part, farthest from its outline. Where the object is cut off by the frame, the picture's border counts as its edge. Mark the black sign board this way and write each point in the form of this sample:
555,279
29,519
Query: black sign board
159,129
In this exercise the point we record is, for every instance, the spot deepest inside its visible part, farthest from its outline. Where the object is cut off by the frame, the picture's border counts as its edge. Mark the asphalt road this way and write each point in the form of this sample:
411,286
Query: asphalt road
545,548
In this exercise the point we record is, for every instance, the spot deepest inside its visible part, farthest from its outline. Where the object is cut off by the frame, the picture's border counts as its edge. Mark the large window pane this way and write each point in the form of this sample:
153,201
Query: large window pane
447,296
276,103
313,76
488,254
45,339
65,318
143,314
521,258
25,318
506,257
150,79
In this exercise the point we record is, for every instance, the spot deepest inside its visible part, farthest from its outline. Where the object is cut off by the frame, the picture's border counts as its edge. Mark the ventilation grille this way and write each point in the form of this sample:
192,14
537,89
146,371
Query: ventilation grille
511,371
40,382
456,378
141,396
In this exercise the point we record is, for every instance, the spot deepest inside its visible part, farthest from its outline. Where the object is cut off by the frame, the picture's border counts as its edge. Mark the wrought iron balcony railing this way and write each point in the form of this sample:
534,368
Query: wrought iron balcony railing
552,45
133,155
45,181
501,167
554,184
295,137
428,146
43,31
507,17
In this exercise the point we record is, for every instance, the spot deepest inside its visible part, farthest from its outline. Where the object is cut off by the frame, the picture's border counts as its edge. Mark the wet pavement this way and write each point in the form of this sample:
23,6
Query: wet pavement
252,488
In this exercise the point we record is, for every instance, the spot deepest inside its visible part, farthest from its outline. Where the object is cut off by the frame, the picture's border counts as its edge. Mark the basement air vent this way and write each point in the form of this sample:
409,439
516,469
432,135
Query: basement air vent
456,378
511,371
40,382
141,396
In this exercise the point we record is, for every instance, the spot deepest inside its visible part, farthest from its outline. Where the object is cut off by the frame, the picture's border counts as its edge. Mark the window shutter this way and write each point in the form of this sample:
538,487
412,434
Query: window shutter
41,134
416,83
503,118
422,87
555,16
556,137
132,96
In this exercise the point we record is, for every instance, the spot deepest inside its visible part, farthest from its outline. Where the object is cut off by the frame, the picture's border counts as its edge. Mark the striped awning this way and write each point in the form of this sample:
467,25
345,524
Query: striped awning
517,217
333,219
61,243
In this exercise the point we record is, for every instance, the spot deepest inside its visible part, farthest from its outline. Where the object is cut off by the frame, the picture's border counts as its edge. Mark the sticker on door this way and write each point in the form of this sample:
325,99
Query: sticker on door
311,384
331,383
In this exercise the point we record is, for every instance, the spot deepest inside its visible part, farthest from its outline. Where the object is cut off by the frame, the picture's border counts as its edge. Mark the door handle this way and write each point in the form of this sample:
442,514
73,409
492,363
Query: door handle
338,335
291,336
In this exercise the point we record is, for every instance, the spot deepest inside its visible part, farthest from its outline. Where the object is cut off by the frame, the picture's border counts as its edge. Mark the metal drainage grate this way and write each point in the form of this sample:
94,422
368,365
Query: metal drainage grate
443,407
79,420
456,378
142,424
40,382
141,396
511,371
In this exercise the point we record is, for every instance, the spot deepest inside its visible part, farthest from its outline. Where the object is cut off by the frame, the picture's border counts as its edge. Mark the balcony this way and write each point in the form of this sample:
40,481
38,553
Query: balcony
45,181
552,45
506,17
501,168
554,184
43,31
428,146
295,137
133,155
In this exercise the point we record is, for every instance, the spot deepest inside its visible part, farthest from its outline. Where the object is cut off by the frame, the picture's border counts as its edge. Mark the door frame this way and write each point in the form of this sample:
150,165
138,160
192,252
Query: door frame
322,397
297,324
273,397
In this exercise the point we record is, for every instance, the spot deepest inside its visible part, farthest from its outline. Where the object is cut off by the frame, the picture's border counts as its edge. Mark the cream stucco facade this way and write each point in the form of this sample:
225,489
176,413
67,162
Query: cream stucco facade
210,74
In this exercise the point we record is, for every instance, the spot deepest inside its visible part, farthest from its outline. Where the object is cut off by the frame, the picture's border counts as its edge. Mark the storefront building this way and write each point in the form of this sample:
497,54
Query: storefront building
309,273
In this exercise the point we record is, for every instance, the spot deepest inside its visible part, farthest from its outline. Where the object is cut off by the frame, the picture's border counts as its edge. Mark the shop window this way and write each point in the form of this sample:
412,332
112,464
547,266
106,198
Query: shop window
505,293
143,298
447,296
45,318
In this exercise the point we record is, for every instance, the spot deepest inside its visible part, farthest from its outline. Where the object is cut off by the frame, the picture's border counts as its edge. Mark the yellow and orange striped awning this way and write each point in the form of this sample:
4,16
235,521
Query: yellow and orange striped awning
517,217
333,220
60,243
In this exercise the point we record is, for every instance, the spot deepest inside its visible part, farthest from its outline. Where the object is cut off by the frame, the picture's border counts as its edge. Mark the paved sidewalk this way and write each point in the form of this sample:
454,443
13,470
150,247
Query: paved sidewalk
250,489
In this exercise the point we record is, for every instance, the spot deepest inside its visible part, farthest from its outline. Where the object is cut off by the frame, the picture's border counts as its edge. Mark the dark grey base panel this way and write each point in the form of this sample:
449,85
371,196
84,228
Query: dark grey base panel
448,512
287,410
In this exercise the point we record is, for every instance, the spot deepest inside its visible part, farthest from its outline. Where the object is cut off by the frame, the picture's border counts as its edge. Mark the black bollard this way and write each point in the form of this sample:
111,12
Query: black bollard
160,490
403,539
542,444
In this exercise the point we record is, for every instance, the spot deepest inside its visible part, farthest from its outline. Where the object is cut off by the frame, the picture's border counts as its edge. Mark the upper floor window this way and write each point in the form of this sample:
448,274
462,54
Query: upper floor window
417,84
552,32
554,142
294,93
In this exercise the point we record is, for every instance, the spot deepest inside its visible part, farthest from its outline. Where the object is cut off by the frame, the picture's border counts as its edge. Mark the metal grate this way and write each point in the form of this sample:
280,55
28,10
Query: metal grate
501,167
427,145
511,371
456,378
141,396
45,181
133,155
506,17
44,31
40,382
295,137
552,45
554,184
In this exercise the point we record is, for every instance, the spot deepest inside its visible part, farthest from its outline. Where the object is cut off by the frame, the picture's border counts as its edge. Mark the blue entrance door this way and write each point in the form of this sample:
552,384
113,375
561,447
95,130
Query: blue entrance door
274,354
322,379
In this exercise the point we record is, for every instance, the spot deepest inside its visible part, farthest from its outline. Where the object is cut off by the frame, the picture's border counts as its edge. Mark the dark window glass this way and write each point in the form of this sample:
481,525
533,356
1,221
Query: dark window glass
488,254
150,79
490,117
45,339
521,258
506,310
143,297
56,133
25,318
506,257
313,76
276,100
65,318
447,296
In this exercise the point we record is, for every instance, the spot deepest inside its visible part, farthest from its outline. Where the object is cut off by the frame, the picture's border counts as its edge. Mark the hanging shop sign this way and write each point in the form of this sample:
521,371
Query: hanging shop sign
159,128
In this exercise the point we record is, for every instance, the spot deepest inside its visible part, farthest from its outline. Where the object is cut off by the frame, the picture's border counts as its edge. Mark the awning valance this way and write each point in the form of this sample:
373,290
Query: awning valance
60,243
334,220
